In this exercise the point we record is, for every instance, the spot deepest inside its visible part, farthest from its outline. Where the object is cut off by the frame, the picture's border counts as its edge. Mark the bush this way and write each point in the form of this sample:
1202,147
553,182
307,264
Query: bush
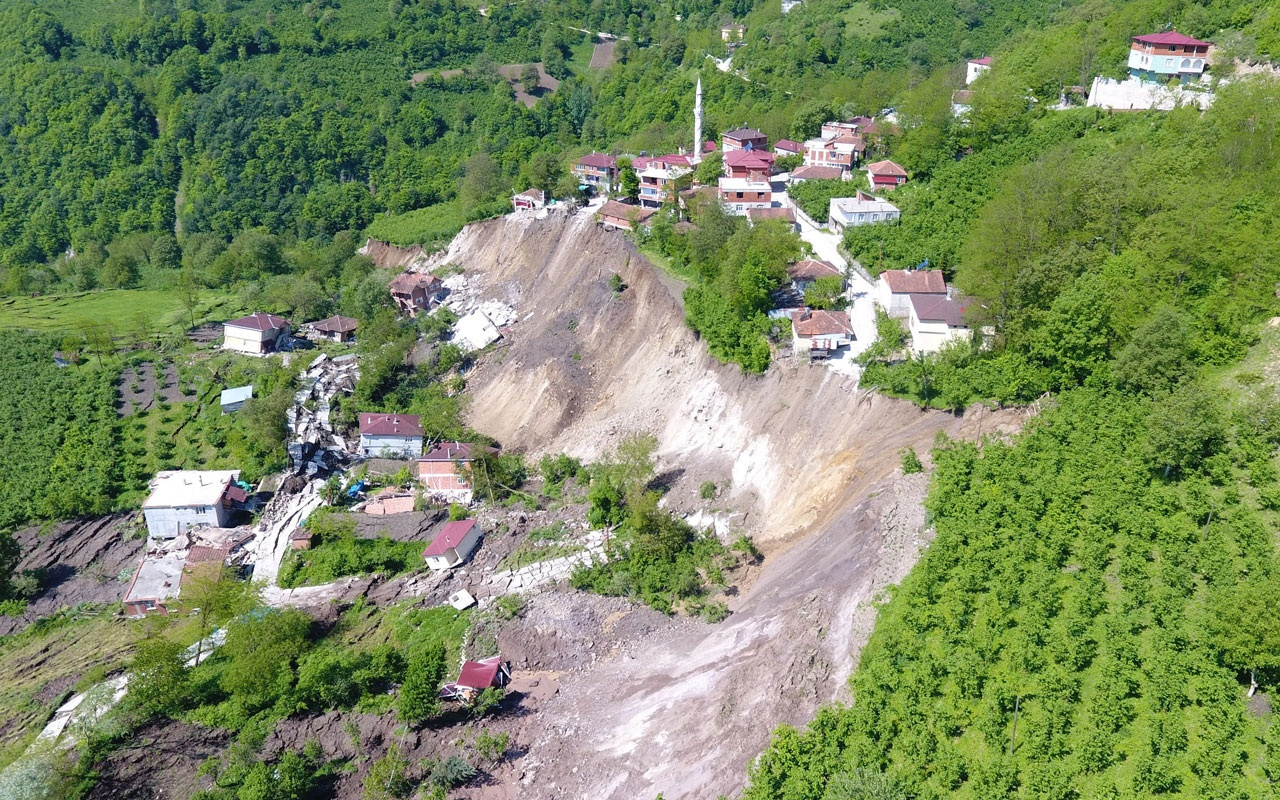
458,511
911,462
616,284
451,773
707,491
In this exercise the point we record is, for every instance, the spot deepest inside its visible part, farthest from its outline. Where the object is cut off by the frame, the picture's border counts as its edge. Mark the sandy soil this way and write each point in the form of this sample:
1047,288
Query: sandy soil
602,55
546,83
152,384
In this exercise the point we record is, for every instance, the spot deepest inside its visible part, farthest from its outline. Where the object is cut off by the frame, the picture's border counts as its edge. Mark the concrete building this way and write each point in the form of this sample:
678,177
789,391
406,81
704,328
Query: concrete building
820,334
740,195
743,139
415,292
183,499
620,216
804,273
886,175
390,435
452,545
975,67
862,209
337,328
529,200
232,400
597,171
1168,56
155,585
256,334
443,470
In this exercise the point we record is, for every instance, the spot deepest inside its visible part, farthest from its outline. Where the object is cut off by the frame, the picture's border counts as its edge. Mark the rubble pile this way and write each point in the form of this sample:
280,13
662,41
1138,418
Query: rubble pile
315,447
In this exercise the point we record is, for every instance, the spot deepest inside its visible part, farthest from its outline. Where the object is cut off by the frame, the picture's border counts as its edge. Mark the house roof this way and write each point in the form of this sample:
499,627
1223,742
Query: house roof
159,577
939,308
409,282
532,194
1170,37
236,395
809,269
407,425
454,451
337,324
886,168
743,133
236,495
915,281
204,554
259,321
771,213
788,145
817,173
612,208
602,160
183,488
862,203
807,322
744,185
450,536
984,61
761,159
479,674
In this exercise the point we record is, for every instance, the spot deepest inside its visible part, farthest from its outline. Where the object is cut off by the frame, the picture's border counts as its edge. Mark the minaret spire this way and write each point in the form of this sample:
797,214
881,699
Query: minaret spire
697,123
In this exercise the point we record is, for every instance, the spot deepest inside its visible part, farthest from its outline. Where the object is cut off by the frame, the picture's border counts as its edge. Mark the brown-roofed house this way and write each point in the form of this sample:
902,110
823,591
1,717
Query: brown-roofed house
894,285
443,469
338,328
743,139
414,292
804,273
620,216
811,173
886,175
453,544
529,200
597,170
256,334
820,333
934,320
390,434
788,216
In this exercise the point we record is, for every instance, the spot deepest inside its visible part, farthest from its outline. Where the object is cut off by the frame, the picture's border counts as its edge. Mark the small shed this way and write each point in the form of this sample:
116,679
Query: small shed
300,539
233,399
453,544
475,677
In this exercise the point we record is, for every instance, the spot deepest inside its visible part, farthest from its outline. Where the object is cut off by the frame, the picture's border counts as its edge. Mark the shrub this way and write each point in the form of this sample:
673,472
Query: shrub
911,462
451,772
490,747
707,491
616,284
458,511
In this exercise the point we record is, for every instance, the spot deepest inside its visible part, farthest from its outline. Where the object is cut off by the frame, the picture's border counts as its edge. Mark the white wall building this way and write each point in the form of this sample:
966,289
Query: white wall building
894,288
935,320
184,499
256,334
975,68
390,435
864,209
453,544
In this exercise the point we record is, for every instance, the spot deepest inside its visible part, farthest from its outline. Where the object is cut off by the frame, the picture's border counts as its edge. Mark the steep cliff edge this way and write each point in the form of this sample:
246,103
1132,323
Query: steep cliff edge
585,365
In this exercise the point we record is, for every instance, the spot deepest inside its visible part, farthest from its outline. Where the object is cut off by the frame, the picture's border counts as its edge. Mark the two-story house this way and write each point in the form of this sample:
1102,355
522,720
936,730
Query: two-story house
598,171
743,139
415,292
886,175
862,209
740,195
390,435
1161,57
755,165
256,334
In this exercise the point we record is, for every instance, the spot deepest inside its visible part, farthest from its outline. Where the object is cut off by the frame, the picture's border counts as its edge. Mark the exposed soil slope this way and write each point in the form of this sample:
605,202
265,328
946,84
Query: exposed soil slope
585,366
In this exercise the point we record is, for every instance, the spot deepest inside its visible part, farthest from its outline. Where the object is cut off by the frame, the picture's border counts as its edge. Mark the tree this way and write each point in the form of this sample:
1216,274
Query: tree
544,171
1158,355
388,777
1183,429
628,180
861,784
826,292
710,169
529,78
419,697
481,182
219,597
166,253
1245,628
261,651
158,679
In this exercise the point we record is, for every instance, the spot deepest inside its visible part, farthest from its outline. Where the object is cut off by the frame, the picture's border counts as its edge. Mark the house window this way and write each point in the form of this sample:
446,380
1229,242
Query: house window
149,604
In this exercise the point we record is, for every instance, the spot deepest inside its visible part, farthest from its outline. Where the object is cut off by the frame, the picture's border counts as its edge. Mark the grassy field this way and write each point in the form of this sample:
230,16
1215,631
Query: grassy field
120,309
431,225
862,20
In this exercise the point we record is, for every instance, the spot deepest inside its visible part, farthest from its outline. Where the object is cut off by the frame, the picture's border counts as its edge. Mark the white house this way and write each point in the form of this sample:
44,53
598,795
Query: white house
740,195
863,209
390,435
820,333
975,67
256,334
232,400
934,320
894,287
185,499
453,544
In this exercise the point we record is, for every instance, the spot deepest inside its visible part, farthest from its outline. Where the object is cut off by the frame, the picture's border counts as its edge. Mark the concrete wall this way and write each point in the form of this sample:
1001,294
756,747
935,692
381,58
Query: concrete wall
166,523
406,446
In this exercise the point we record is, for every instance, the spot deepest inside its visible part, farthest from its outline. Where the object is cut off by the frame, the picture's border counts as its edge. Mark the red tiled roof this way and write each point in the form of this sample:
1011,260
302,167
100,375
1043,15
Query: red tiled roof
408,282
984,61
820,323
817,173
235,494
454,451
1171,37
337,324
612,208
939,308
260,321
788,145
450,536
203,554
915,281
389,425
771,213
479,674
533,194
886,168
602,160
749,158
743,133
709,146
810,269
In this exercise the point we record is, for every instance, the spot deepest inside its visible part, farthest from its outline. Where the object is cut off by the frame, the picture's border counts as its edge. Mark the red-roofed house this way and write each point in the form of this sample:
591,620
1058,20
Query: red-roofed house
804,273
975,67
443,469
935,320
620,216
894,286
597,170
414,291
756,165
820,333
475,677
529,200
886,175
390,435
843,150
740,195
1162,56
787,147
256,334
802,174
788,216
338,328
453,544
743,139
